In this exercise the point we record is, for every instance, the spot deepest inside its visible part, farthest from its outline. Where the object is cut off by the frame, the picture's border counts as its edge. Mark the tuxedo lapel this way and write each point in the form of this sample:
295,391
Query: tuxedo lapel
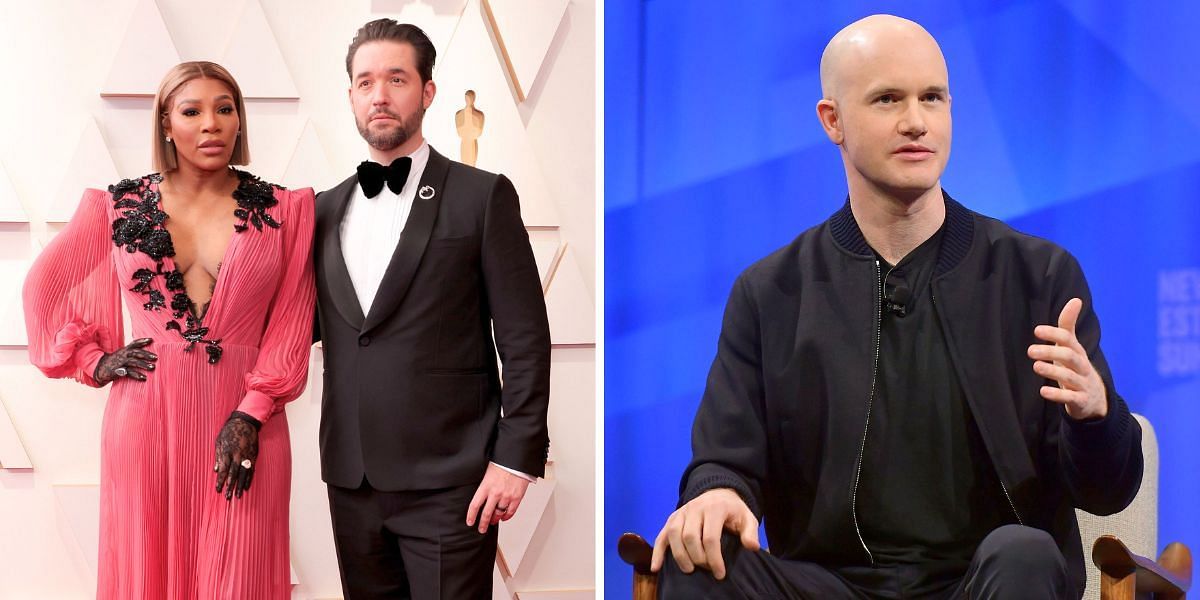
413,240
337,277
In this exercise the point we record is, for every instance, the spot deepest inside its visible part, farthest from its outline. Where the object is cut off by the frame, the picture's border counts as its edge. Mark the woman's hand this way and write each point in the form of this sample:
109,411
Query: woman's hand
125,362
237,451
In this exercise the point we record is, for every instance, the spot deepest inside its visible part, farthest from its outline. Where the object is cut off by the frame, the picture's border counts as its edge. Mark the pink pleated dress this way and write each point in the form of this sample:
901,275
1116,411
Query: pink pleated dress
165,533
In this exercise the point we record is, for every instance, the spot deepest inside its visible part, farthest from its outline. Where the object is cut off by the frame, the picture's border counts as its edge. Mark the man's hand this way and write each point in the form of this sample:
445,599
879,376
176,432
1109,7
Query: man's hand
1080,389
694,532
499,495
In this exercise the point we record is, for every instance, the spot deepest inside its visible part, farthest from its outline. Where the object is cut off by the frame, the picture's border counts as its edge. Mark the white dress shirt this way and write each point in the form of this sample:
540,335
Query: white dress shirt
371,231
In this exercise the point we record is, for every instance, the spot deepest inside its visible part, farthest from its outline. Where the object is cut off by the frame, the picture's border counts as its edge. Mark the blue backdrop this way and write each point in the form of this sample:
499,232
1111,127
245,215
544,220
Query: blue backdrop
1075,121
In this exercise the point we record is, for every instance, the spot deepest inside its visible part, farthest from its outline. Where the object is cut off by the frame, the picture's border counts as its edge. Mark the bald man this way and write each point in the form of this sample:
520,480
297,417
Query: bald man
911,395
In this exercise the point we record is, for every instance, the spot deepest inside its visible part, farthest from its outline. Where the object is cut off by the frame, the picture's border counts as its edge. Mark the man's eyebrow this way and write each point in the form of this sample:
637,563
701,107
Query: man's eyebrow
362,74
888,89
880,91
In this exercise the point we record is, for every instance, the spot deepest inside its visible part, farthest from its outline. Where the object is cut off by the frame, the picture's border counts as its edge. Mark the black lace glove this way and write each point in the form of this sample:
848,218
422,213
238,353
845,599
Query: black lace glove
125,362
237,451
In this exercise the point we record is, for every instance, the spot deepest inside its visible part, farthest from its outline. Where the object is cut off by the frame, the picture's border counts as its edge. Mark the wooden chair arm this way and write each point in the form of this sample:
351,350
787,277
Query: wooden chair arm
1124,574
635,550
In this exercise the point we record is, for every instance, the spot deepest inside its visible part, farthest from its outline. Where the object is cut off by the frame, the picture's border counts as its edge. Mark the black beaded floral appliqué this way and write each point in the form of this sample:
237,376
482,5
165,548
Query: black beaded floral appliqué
140,229
254,196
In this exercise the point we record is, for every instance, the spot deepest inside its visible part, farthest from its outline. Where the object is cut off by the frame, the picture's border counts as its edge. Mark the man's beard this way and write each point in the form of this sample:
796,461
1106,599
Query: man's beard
393,137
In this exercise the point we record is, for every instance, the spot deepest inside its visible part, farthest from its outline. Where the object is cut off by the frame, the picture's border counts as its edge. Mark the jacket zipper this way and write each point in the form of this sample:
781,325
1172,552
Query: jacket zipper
870,402
1003,488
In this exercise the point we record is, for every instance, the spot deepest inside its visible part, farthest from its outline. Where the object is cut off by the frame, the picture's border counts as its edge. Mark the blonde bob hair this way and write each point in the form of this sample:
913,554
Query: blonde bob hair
164,151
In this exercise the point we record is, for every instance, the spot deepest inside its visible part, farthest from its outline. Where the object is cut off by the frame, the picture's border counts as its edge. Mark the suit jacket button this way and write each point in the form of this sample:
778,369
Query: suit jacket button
364,340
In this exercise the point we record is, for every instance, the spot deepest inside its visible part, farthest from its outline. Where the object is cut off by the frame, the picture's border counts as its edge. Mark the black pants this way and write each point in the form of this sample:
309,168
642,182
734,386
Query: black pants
411,544
1012,562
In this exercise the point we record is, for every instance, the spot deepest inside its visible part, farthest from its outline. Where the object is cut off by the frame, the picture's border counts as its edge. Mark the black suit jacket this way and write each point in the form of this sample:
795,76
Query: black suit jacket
412,395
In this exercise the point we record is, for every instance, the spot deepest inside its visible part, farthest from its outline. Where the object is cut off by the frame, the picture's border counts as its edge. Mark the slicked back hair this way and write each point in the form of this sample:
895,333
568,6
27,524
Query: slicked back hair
389,30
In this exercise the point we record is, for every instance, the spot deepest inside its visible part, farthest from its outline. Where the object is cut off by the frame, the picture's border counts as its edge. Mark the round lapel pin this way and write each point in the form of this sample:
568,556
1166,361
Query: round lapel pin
425,193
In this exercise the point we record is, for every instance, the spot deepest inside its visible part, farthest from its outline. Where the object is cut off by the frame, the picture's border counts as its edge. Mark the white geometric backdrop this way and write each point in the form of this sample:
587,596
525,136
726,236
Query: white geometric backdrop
79,78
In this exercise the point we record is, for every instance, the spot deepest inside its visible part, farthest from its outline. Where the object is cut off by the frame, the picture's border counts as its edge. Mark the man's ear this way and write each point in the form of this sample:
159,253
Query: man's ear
831,120
427,93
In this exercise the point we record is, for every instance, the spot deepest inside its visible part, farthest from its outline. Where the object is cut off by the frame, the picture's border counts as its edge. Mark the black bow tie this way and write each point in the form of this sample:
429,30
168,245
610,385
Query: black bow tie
372,175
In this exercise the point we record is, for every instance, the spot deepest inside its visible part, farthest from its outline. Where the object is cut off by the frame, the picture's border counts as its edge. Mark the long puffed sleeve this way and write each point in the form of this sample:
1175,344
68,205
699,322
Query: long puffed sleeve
72,300
281,371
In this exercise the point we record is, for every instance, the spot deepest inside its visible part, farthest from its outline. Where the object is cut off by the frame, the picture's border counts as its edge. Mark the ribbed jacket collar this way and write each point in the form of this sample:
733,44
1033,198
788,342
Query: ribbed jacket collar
956,239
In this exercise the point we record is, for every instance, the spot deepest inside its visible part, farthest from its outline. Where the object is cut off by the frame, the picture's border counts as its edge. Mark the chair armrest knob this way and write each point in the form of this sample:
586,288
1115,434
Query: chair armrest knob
1173,577
635,550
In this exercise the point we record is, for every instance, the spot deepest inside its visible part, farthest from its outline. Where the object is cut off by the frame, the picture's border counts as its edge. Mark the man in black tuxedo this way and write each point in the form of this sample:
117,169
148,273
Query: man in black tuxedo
420,261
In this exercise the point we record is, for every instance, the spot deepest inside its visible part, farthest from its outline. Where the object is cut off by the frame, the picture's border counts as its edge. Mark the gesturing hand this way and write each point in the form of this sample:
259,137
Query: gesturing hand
499,495
237,451
693,532
125,362
1080,389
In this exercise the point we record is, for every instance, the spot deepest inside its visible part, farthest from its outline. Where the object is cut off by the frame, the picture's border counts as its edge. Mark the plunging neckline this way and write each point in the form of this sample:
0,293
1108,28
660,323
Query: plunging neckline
139,228
222,267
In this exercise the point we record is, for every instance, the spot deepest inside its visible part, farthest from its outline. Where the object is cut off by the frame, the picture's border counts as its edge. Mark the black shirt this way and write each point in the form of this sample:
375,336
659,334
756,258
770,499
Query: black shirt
928,493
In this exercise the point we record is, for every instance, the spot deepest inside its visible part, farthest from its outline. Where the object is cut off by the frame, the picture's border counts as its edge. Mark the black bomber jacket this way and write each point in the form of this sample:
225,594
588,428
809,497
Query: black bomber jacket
785,410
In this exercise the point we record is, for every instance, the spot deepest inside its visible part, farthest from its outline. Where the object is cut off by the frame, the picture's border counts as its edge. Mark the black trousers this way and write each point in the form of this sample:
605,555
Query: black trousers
1012,562
411,544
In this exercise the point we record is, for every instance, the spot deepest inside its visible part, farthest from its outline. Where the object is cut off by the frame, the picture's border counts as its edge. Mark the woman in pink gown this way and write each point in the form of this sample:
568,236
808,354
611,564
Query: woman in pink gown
201,379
